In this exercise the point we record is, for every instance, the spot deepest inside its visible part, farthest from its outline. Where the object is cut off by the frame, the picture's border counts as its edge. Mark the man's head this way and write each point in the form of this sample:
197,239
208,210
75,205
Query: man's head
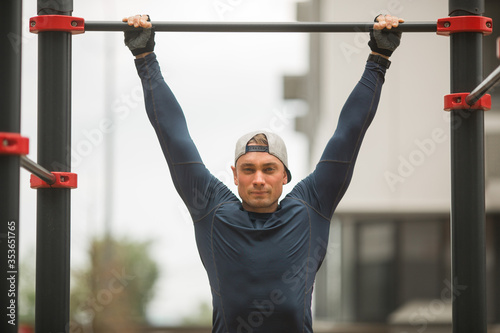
261,170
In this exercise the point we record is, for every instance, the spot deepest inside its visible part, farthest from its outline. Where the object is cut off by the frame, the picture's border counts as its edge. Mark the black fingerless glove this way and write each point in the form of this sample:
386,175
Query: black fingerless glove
140,40
384,41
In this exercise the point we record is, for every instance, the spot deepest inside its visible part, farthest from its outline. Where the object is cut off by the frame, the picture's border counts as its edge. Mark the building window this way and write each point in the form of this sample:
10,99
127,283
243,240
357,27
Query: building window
492,142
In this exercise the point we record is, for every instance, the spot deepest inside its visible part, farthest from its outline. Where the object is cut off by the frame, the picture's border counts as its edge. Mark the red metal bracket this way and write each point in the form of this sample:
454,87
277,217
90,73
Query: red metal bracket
75,25
454,24
457,102
63,180
13,144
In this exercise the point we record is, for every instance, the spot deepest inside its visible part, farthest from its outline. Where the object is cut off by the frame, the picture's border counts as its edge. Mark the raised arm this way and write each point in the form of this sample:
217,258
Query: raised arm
192,180
334,171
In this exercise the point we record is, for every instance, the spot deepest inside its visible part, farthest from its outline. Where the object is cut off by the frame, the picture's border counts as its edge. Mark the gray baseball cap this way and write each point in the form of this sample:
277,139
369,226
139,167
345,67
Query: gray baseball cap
276,148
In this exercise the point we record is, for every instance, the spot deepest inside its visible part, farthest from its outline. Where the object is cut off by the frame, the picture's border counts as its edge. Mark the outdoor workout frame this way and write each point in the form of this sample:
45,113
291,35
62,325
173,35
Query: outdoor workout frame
54,138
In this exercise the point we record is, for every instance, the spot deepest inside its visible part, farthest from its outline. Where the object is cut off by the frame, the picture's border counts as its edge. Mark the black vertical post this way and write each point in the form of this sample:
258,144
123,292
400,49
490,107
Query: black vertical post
10,121
467,157
54,147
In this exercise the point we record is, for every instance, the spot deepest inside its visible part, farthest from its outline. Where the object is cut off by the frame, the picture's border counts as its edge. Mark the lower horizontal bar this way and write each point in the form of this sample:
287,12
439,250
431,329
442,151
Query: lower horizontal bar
38,170
259,27
483,87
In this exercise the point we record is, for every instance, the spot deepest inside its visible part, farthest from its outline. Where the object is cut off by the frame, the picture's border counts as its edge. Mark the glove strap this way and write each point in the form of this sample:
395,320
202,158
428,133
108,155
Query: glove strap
379,60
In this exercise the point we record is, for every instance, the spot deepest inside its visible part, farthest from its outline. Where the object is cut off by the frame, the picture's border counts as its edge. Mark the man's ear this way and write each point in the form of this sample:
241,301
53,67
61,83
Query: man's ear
234,175
285,178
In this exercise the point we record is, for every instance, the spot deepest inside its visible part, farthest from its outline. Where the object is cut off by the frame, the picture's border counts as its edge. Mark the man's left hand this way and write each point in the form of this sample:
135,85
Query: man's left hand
383,41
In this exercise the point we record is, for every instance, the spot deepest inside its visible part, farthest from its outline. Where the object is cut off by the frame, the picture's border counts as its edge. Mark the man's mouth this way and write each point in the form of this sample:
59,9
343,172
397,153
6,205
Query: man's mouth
259,192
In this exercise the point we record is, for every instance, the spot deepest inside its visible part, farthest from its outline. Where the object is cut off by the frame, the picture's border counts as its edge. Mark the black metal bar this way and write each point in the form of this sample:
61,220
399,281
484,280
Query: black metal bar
10,103
483,87
468,198
10,121
38,170
258,26
54,142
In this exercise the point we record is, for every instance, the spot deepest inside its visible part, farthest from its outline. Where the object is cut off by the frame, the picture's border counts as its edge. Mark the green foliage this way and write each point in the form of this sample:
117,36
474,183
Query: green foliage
27,289
203,317
112,294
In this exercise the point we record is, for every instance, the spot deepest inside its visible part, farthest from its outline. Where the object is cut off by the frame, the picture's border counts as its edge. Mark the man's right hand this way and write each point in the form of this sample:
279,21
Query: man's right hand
141,41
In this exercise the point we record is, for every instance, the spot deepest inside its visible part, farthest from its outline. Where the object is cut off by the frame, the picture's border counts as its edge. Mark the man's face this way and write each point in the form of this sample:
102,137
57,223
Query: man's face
260,178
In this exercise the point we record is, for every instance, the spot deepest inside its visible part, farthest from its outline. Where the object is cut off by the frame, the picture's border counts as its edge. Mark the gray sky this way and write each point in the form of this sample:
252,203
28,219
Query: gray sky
228,84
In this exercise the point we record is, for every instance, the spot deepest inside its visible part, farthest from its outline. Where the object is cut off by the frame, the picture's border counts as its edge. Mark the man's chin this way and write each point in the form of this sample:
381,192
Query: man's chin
258,204
264,206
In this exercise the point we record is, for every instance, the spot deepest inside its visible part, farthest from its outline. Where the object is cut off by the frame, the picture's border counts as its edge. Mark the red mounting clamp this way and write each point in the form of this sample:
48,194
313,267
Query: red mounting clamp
63,180
454,24
13,144
75,25
457,102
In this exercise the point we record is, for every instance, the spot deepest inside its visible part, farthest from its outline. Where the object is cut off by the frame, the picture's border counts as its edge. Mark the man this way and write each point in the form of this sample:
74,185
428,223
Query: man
261,254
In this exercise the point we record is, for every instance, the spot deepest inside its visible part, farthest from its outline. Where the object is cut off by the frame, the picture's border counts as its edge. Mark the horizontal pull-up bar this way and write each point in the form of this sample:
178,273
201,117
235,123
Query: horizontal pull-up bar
483,87
259,27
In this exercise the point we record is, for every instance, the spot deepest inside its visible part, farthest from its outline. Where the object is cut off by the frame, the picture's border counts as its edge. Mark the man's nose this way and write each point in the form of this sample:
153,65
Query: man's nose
259,178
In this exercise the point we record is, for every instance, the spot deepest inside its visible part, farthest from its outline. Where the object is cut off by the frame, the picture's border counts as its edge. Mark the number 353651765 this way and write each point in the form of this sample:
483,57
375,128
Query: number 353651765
11,241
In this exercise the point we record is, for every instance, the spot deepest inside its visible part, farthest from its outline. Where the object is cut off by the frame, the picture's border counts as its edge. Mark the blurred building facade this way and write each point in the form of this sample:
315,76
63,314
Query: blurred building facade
389,255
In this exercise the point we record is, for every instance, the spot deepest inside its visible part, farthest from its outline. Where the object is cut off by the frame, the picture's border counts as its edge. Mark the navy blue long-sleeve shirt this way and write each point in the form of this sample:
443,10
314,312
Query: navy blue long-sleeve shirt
261,267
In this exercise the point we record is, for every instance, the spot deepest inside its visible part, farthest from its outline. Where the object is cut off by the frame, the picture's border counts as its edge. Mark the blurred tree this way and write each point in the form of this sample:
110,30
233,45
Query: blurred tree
203,317
112,294
27,289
